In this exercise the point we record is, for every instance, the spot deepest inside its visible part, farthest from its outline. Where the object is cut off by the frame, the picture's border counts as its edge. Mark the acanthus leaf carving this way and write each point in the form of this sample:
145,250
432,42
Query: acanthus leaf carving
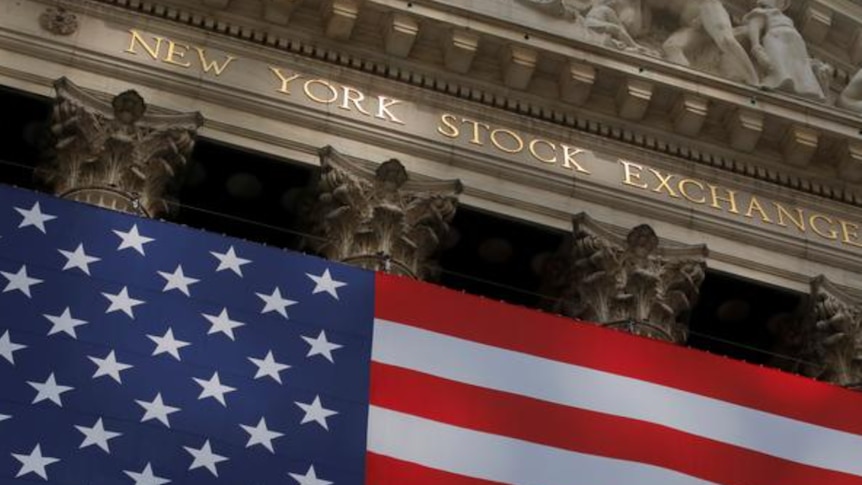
627,281
379,219
114,154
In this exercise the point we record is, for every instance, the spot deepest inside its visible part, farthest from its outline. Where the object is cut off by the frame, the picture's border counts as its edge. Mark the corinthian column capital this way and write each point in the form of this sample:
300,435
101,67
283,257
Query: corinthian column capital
115,154
379,218
832,333
629,280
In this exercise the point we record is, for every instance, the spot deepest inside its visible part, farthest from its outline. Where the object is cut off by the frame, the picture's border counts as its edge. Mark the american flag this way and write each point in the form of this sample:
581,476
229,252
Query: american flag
138,352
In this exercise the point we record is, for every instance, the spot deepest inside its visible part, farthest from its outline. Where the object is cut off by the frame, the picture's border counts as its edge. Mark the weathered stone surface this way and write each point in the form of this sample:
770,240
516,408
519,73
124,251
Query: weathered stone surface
831,334
379,219
114,154
629,281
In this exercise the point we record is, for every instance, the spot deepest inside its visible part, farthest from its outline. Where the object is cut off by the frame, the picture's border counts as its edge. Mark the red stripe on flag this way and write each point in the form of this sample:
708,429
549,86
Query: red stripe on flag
384,470
588,432
523,330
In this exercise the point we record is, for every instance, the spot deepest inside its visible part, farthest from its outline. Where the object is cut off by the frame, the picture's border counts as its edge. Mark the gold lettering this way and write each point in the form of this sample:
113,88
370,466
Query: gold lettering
850,233
285,81
754,206
730,199
332,91
447,120
683,189
383,105
798,221
213,65
664,183
832,234
553,148
138,40
174,56
519,143
355,97
569,160
476,125
633,176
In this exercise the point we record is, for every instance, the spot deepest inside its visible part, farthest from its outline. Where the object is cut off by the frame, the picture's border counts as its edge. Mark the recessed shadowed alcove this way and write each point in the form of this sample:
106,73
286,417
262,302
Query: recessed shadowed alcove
258,197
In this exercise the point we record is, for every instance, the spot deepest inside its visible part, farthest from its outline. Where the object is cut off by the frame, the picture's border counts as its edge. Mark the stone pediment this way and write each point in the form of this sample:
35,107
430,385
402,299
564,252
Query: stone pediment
548,62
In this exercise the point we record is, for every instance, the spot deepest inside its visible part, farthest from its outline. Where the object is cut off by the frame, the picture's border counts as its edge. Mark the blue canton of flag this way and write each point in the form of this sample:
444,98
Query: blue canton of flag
138,352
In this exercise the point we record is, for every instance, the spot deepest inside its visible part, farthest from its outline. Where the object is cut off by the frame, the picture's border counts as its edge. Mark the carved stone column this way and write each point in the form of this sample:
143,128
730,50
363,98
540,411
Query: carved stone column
114,154
378,218
629,281
832,334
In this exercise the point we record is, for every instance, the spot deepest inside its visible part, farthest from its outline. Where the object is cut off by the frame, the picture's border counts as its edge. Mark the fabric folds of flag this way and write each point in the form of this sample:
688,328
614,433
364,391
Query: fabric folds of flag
468,391
138,352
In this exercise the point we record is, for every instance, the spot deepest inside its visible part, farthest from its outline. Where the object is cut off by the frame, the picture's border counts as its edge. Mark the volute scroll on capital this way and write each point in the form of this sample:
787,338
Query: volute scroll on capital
379,218
114,153
628,280
830,334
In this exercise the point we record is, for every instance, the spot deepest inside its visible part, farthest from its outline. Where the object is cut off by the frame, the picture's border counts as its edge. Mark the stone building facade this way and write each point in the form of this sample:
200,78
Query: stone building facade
669,140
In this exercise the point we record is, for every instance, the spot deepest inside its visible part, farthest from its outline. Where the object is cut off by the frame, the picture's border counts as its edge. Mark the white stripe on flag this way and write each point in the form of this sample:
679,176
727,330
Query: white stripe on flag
497,458
517,373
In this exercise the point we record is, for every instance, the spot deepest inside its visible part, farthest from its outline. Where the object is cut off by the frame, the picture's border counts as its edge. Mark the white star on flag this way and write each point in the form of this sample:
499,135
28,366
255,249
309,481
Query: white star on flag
97,435
325,283
213,388
146,476
109,367
310,478
4,417
34,463
49,390
34,217
20,281
321,346
8,347
64,323
268,367
204,457
229,260
78,259
177,280
156,409
122,302
316,412
222,324
167,344
275,303
261,435
133,239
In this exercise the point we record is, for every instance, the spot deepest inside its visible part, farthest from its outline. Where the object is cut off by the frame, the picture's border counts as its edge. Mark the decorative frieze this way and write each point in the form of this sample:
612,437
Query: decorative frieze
850,162
631,281
832,334
379,218
59,21
115,154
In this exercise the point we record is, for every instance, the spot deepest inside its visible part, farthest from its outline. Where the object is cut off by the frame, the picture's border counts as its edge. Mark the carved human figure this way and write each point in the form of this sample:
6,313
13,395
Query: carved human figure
700,20
780,50
604,18
851,96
